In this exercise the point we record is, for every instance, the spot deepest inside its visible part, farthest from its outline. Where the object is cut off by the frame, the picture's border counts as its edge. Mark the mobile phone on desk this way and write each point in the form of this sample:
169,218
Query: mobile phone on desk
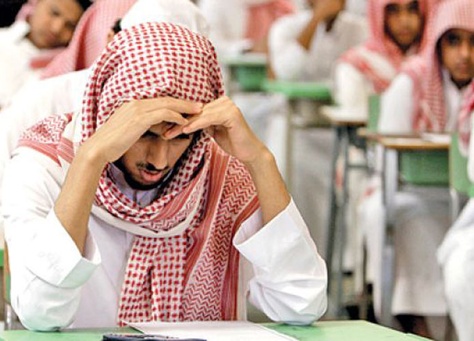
147,337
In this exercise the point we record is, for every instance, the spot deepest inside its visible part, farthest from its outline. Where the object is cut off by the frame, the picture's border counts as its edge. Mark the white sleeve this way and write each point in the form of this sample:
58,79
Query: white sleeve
396,107
47,269
290,277
351,88
287,57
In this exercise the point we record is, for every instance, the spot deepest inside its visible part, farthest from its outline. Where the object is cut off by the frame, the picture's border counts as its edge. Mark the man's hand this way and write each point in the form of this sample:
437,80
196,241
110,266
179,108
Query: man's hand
327,9
224,121
131,120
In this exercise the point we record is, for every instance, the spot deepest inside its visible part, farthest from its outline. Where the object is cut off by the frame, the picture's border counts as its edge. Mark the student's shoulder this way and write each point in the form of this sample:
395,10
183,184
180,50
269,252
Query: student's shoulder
299,18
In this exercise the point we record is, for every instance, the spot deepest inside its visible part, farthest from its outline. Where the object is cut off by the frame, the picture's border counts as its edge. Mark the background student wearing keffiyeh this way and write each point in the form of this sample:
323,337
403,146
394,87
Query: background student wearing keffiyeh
397,31
427,97
151,224
28,45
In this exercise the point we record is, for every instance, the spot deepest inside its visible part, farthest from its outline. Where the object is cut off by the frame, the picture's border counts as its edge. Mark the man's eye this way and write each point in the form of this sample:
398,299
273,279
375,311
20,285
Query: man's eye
183,137
453,39
149,134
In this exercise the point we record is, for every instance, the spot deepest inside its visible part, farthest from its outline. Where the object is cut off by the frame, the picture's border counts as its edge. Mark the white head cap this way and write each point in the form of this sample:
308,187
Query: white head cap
181,12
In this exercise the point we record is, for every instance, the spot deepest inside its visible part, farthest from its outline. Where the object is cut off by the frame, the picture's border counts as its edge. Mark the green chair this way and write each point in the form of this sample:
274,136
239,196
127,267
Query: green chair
459,182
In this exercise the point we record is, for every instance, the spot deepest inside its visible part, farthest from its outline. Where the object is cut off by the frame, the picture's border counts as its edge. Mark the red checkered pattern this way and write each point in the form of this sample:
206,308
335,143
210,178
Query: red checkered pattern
193,275
425,70
90,37
381,44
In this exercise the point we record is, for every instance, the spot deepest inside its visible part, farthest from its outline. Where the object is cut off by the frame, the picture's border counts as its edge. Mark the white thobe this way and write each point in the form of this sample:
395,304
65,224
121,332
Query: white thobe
396,107
16,52
421,216
290,61
35,101
456,257
53,286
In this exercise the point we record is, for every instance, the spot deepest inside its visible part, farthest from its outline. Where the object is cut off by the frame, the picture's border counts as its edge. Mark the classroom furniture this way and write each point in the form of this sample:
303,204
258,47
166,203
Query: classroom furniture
459,183
345,125
248,71
319,93
405,160
320,331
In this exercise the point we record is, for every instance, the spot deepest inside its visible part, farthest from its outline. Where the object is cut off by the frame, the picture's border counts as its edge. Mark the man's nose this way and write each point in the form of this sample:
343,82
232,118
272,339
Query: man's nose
158,154
57,26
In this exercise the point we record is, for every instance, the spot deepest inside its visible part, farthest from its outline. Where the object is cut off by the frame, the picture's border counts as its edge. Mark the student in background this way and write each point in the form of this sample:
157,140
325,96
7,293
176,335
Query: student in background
26,46
147,207
396,32
426,97
304,45
456,253
240,26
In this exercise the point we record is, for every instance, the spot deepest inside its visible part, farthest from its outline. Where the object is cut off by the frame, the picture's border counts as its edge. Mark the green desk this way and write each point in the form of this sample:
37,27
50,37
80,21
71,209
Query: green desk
296,91
321,331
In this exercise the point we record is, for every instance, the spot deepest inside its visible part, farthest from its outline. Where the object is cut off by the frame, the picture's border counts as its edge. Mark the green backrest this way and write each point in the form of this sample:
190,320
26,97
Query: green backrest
374,113
458,174
458,177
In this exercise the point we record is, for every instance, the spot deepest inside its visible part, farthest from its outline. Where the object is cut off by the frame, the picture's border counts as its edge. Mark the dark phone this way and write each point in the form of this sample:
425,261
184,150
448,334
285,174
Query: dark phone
148,337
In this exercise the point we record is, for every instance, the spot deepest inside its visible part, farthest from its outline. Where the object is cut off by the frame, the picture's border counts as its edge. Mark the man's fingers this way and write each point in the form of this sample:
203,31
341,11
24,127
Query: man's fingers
178,105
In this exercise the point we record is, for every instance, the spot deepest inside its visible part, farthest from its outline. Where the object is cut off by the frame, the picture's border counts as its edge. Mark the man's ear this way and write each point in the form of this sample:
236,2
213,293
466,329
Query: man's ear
110,36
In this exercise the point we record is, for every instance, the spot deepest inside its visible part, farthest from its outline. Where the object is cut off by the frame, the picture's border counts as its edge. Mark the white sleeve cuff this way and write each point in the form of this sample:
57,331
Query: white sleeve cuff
265,246
56,259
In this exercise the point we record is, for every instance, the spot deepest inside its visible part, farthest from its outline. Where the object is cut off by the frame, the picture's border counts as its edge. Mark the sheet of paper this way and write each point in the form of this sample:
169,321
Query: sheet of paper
436,138
213,331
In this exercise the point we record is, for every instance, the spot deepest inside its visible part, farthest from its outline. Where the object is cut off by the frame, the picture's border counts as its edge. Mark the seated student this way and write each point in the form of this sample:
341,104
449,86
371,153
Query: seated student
50,25
155,201
239,26
456,253
427,97
396,32
303,46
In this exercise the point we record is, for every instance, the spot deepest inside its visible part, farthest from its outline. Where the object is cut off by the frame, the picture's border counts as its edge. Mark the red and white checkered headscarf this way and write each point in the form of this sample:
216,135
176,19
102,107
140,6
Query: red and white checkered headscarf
192,274
90,37
262,14
425,70
381,44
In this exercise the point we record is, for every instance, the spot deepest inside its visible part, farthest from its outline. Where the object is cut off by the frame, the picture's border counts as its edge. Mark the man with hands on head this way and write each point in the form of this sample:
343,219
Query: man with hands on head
161,201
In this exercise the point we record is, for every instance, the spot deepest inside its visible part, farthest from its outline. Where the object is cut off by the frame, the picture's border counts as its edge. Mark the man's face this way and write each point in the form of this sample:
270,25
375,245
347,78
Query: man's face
147,162
53,22
403,23
457,55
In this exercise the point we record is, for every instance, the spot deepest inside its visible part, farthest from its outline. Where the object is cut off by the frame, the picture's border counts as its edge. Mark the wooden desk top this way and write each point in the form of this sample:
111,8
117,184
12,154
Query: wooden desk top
343,117
411,143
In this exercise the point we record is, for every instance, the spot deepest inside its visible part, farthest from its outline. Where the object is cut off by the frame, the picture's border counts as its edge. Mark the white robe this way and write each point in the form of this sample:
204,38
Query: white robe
16,52
52,286
290,61
34,102
456,257
421,218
